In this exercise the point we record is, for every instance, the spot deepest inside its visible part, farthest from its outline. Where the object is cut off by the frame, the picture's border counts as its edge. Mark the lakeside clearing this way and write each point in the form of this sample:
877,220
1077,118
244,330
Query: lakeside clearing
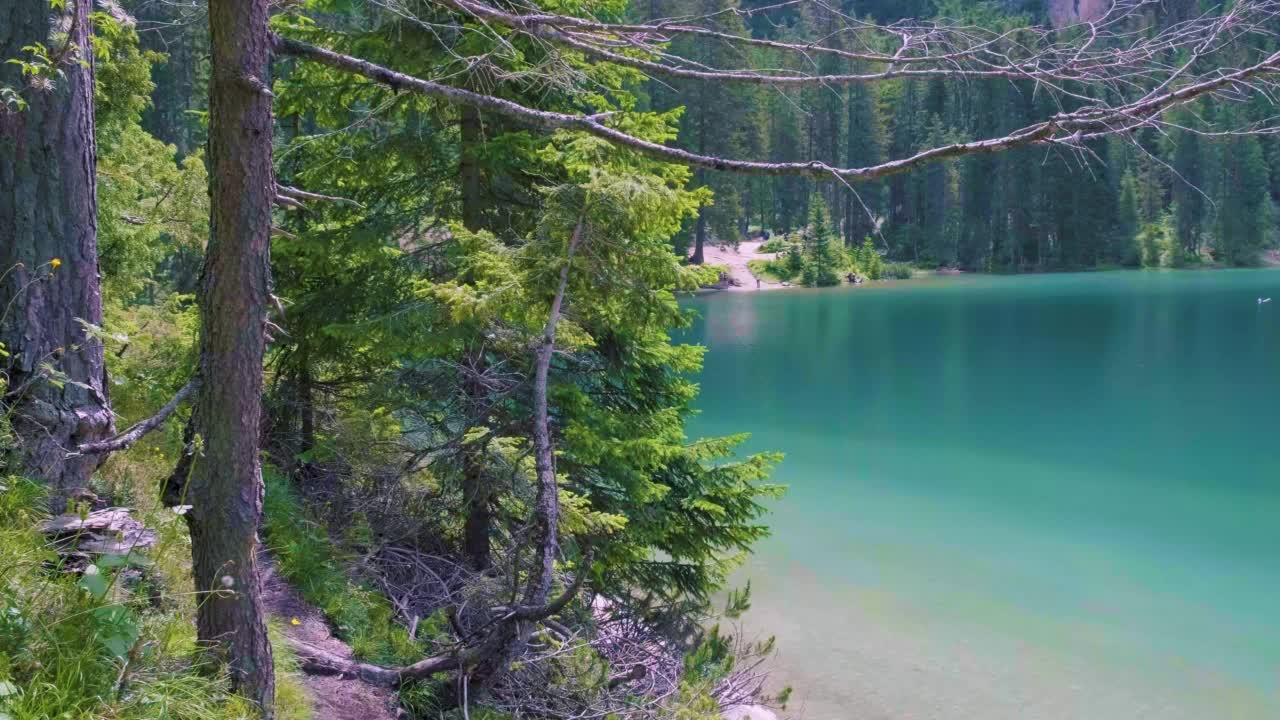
737,260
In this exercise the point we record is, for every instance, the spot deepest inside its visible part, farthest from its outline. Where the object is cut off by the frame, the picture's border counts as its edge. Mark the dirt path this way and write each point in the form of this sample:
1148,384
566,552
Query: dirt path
735,261
333,698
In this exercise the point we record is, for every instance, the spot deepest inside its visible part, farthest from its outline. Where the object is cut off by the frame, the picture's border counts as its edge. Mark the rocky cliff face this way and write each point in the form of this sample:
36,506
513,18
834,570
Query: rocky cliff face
1066,12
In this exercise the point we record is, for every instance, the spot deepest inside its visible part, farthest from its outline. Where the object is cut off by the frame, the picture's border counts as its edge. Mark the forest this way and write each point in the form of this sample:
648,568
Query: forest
340,371
1162,197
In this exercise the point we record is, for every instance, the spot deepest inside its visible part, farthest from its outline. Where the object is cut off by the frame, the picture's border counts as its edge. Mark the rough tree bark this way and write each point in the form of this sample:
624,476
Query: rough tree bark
57,391
224,487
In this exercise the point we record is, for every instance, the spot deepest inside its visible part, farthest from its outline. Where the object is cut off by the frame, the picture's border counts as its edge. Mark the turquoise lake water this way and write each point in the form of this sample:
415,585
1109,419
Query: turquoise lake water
1038,497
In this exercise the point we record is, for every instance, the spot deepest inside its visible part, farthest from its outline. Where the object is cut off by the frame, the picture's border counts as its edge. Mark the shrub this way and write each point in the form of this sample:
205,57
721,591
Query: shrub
793,261
307,558
770,270
1158,245
898,271
868,261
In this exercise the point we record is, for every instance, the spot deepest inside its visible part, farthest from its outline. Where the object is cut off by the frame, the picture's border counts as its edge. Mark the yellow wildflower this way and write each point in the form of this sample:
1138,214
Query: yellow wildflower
295,621
55,263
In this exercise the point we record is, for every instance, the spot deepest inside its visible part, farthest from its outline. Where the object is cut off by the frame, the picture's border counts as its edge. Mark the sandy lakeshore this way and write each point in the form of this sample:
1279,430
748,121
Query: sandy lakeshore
735,262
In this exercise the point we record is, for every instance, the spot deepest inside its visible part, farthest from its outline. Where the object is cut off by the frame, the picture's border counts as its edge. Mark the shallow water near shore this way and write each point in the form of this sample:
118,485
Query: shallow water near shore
1040,497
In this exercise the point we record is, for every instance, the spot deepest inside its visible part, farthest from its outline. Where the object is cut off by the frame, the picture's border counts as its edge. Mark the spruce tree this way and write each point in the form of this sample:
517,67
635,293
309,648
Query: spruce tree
1187,191
863,146
1244,213
1127,223
820,268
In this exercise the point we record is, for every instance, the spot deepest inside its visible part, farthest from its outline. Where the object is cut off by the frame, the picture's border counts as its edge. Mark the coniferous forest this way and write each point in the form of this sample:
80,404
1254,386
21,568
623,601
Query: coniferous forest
1155,197
339,339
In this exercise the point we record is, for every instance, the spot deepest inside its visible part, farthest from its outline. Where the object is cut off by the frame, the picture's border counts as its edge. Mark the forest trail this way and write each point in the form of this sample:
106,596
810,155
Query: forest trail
735,262
332,697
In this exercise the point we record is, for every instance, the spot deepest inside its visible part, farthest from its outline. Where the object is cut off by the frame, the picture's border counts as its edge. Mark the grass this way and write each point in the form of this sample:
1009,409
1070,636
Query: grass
292,701
898,271
118,643
122,649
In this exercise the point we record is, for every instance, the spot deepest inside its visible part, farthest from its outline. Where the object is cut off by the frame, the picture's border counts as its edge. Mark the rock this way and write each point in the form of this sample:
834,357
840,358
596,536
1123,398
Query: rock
97,521
112,531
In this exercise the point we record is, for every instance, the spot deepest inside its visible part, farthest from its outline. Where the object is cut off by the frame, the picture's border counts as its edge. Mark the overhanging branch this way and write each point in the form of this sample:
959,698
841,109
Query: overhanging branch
1062,129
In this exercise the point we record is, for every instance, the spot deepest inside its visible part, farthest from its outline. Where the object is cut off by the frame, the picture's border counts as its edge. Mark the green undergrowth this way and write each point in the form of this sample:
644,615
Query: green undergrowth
789,267
306,557
768,271
704,275
117,642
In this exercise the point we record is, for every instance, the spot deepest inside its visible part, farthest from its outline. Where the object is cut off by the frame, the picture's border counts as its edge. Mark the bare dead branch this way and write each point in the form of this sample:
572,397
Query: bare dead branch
546,517
322,662
296,194
1068,128
288,203
1108,50
126,439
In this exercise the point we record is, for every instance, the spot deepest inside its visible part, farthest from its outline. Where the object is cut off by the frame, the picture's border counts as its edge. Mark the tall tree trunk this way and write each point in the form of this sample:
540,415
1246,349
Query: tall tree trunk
699,237
546,521
56,391
700,230
469,172
307,406
475,486
850,224
476,491
225,485
305,472
170,116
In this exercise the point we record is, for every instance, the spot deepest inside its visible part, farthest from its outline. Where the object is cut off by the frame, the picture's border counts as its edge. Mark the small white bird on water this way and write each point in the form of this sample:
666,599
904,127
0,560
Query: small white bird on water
1263,300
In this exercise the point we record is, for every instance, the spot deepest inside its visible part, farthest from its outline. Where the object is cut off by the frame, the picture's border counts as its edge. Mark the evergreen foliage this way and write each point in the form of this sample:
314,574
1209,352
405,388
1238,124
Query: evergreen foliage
415,285
821,263
1024,210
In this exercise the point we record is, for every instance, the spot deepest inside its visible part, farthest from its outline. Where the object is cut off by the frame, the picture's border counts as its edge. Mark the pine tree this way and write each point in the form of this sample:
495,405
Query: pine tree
904,140
1245,205
936,203
869,261
718,120
820,268
1188,189
863,147
1127,222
